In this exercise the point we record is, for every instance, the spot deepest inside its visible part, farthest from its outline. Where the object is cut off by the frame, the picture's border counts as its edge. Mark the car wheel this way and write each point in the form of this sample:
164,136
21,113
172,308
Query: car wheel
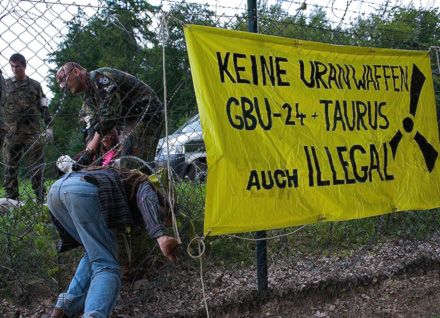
197,171
191,173
202,171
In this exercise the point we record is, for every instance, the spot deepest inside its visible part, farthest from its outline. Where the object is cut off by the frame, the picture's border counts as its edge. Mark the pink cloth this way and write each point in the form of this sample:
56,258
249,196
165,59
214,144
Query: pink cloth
108,157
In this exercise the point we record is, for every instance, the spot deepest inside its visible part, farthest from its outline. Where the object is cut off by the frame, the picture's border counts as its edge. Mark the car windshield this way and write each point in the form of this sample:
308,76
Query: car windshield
193,125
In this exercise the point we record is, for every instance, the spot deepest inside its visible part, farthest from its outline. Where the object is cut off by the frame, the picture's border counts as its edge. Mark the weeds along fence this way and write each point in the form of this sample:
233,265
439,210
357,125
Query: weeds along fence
129,35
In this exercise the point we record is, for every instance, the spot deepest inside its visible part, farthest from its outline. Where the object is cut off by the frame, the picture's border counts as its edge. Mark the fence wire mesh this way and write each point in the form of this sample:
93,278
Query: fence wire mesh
128,36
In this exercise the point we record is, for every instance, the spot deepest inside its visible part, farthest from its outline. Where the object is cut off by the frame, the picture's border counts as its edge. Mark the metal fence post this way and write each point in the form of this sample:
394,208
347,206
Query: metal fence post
261,245
252,16
262,262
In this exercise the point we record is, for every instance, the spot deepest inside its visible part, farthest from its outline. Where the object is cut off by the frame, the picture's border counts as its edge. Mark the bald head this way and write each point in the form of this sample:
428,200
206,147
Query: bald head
73,77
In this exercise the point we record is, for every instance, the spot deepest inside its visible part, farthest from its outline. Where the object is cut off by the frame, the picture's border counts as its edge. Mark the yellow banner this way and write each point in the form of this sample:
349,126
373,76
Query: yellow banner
299,132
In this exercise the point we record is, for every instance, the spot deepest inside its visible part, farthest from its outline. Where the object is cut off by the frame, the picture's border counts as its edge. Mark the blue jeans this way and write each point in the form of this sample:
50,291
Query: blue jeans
96,285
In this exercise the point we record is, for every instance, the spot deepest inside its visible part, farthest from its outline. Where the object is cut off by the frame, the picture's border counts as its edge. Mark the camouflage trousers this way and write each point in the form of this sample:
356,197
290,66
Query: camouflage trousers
142,141
15,148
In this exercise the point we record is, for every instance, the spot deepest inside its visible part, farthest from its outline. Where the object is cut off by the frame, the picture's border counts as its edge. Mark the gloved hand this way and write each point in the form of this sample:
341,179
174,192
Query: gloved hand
65,163
85,160
48,135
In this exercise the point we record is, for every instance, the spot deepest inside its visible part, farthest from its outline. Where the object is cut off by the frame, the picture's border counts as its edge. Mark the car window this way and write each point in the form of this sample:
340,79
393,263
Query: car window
190,125
193,127
199,128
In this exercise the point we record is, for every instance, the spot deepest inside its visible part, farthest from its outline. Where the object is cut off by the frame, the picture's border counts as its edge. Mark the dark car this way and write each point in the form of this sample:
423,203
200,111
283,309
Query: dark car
186,151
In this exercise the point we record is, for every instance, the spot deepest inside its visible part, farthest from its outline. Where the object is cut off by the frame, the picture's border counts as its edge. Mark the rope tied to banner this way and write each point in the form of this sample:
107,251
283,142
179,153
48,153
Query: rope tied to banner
264,238
164,34
178,21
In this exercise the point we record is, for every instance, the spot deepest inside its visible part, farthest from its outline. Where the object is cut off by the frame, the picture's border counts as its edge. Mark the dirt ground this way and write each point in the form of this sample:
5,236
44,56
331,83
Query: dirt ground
413,293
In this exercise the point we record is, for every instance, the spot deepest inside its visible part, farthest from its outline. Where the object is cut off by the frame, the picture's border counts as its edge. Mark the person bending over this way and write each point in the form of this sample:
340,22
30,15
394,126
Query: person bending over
88,207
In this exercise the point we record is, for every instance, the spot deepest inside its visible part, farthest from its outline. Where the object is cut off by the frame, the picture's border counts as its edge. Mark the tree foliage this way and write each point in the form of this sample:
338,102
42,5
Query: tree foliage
399,28
125,36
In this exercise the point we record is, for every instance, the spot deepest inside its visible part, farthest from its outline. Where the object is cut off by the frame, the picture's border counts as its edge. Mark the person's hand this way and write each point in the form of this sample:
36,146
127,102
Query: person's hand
169,247
65,163
48,135
83,161
94,144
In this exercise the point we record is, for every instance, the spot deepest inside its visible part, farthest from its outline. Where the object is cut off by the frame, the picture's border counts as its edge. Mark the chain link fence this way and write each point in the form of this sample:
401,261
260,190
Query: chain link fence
138,38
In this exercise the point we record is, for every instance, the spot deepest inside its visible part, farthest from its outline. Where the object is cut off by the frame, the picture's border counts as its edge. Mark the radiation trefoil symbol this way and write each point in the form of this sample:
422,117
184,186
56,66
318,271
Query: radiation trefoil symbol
429,153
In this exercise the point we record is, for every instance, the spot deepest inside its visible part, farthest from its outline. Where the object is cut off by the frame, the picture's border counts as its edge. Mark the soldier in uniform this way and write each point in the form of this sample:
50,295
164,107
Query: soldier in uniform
24,104
113,98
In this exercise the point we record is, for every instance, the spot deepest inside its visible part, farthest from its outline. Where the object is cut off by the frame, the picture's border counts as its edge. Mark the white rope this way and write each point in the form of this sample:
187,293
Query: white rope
179,21
203,285
265,238
164,36
200,241
164,33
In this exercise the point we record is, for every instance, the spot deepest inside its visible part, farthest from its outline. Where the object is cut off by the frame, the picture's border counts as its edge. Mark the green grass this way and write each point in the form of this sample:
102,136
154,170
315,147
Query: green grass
25,188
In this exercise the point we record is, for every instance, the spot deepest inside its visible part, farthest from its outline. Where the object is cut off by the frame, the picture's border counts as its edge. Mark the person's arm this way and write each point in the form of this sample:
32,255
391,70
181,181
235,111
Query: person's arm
148,204
93,145
87,118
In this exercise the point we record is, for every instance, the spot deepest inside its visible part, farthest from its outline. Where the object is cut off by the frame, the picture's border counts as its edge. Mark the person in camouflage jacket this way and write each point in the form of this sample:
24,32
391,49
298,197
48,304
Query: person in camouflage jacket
24,103
113,98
